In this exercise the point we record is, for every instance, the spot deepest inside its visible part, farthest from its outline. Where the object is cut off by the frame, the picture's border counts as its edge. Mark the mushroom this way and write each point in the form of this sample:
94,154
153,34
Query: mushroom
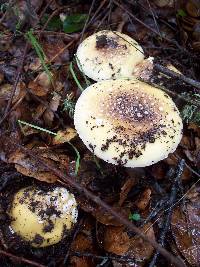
43,217
109,55
128,122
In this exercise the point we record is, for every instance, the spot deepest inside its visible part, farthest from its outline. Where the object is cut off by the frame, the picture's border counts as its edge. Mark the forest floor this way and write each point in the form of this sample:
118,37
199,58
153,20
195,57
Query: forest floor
39,145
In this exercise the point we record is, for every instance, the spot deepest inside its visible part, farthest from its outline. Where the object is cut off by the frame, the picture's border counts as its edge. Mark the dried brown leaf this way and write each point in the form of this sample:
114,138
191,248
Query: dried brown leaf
53,106
81,262
37,89
183,236
116,240
144,199
6,91
125,190
1,77
55,50
64,136
106,218
139,249
29,167
186,228
164,3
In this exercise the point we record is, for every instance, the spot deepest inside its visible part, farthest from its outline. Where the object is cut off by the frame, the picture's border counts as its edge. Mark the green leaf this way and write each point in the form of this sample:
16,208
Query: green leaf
134,217
74,23
54,24
181,13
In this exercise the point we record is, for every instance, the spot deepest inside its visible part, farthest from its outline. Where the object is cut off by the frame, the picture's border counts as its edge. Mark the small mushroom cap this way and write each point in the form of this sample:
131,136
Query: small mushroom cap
42,217
128,122
109,55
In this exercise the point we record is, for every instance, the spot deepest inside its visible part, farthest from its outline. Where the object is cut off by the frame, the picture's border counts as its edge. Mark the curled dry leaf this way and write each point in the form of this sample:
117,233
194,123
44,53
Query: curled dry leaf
1,77
81,262
164,3
53,106
158,171
139,249
126,188
43,80
193,8
37,89
84,243
6,91
186,228
35,65
116,240
8,148
41,85
107,219
55,50
144,199
29,167
64,136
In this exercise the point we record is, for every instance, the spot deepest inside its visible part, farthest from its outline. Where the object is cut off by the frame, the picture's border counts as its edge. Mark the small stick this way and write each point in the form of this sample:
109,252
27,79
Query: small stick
173,74
17,77
87,20
72,240
170,210
21,259
90,255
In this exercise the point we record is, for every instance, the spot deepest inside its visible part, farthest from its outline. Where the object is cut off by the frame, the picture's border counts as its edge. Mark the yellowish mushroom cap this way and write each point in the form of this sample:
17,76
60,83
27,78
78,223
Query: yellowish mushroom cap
128,122
109,55
43,217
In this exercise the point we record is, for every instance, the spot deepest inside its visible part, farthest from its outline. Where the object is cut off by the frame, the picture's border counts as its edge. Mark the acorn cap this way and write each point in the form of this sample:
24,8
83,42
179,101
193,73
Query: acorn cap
128,122
109,55
42,217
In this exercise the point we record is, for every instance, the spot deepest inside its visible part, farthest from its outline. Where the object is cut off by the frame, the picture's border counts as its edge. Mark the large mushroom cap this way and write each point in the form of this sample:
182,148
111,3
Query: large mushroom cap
109,55
128,122
43,217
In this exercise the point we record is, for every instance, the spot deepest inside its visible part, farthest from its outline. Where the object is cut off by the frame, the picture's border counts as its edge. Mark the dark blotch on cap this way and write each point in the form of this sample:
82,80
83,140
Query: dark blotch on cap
103,41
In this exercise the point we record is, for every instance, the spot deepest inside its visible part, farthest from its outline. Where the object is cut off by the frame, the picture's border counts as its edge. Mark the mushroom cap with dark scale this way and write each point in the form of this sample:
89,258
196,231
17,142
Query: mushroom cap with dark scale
42,217
128,122
109,55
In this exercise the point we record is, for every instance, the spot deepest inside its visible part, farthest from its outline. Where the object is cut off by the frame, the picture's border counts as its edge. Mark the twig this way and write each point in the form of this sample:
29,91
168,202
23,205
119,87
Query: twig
173,93
10,4
45,9
72,240
30,10
49,19
119,217
90,255
110,11
167,218
149,28
153,15
17,77
21,259
74,36
173,74
136,19
87,20
96,12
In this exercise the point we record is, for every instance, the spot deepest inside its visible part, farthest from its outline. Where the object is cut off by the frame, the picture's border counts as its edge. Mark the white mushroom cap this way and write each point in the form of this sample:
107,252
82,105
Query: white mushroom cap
42,217
128,122
109,55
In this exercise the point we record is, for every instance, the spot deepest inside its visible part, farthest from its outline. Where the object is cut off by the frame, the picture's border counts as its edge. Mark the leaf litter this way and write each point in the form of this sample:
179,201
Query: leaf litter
45,97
